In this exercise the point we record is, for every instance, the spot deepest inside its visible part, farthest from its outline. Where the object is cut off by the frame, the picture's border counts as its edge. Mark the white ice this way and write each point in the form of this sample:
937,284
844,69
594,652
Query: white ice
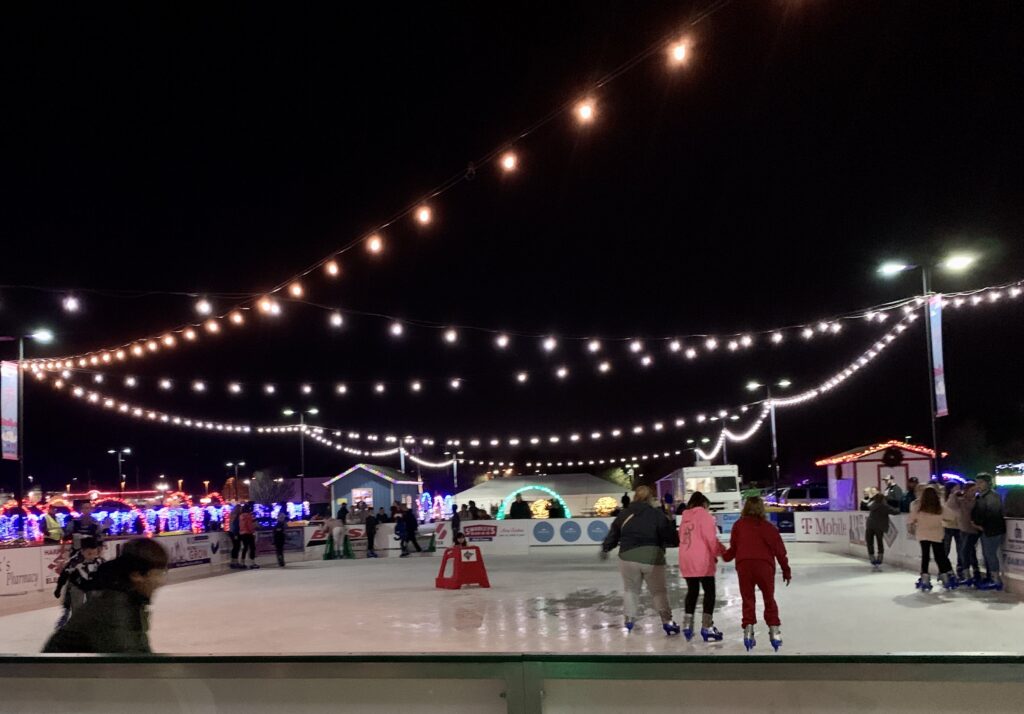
561,600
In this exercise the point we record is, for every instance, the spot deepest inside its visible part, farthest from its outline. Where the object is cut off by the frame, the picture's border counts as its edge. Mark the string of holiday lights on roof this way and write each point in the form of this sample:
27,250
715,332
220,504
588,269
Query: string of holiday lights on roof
504,158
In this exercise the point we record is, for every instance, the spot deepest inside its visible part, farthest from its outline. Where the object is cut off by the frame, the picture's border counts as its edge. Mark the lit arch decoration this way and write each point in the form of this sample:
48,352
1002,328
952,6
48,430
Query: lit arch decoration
507,502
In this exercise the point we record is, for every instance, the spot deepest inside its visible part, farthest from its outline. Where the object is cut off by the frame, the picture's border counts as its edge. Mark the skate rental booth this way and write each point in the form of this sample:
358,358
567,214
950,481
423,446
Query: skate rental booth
851,471
376,486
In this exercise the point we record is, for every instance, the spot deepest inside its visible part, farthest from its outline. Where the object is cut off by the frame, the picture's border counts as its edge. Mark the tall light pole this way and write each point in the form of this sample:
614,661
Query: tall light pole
120,454
42,336
234,465
781,384
312,411
956,263
455,468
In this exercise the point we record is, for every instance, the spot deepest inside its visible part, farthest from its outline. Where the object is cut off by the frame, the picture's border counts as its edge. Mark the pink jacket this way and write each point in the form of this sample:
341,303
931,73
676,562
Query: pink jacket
698,544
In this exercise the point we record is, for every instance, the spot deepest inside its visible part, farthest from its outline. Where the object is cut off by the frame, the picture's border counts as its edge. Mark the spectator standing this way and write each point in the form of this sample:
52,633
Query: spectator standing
755,544
926,519
234,533
247,534
893,493
343,513
520,509
951,525
382,516
456,522
53,534
85,526
641,533
987,516
625,500
115,619
280,528
910,496
371,534
699,549
876,526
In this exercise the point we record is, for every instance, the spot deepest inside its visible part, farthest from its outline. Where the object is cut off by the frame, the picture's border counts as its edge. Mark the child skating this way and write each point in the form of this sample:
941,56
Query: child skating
755,545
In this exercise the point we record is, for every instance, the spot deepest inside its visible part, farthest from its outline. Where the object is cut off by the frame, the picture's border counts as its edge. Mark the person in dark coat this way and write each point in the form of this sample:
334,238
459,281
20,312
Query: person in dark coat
893,493
411,526
280,528
625,500
520,508
371,534
343,513
115,618
987,516
877,526
456,520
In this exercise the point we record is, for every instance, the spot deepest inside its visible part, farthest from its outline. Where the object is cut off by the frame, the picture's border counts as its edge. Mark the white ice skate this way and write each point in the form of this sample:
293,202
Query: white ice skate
775,637
748,637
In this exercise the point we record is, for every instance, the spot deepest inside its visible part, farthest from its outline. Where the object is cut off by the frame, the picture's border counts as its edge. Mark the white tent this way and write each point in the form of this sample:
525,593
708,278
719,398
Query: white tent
578,491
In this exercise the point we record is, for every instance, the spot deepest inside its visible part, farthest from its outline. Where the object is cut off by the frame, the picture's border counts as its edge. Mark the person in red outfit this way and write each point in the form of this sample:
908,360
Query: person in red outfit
755,545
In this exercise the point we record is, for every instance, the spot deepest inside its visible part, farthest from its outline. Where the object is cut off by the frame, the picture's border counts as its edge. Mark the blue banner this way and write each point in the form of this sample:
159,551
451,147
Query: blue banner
9,409
938,365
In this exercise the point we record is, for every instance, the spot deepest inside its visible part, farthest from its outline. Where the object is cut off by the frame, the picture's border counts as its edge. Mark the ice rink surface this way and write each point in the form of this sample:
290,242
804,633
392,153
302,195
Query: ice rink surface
558,600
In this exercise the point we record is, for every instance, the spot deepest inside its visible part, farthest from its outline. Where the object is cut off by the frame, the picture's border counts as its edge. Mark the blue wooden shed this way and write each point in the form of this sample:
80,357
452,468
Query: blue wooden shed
377,486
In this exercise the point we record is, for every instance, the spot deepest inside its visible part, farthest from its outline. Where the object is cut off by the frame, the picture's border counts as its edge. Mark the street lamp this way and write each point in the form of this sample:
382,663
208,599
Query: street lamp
120,454
954,263
232,464
43,336
753,386
312,411
455,466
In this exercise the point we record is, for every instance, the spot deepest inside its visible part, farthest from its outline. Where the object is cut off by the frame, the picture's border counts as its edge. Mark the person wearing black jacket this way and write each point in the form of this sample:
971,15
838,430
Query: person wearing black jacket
115,618
987,515
280,528
877,526
520,508
411,526
641,533
371,534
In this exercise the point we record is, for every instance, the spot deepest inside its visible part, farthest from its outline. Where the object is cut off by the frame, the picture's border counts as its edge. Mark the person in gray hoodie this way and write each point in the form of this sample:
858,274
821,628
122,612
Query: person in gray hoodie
877,526
967,555
987,515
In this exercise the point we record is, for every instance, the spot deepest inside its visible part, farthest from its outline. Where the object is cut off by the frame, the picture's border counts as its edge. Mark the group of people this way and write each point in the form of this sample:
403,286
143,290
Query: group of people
642,531
403,516
241,530
945,518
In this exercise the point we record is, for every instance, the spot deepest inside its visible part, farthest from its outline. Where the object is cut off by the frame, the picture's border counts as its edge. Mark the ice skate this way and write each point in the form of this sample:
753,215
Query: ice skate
965,582
993,583
775,637
949,581
748,637
253,566
924,583
629,625
671,628
688,627
876,566
708,631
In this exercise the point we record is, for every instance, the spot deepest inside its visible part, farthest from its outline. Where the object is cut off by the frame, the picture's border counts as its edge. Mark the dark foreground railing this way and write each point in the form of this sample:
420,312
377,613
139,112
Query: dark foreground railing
479,684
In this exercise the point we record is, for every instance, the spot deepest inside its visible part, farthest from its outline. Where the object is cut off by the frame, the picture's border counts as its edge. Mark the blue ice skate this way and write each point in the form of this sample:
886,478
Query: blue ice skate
748,637
775,637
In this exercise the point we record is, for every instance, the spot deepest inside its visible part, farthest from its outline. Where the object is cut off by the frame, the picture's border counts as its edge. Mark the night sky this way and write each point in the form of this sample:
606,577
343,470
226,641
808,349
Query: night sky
152,155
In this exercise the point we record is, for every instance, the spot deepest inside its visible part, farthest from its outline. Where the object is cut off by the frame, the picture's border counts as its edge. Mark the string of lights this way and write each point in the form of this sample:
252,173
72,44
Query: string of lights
504,159
641,351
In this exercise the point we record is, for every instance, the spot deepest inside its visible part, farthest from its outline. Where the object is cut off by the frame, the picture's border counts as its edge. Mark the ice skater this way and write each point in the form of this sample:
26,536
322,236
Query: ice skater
641,533
967,556
987,516
926,519
876,526
280,528
371,534
247,534
755,544
699,549
77,577
235,536
411,526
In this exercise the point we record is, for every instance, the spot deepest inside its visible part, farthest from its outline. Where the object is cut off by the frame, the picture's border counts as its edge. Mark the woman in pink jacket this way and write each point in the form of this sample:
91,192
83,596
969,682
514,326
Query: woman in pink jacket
698,557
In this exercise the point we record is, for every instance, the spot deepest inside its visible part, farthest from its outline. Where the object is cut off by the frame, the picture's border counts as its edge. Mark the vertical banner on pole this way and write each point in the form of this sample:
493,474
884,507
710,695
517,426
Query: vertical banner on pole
939,371
9,409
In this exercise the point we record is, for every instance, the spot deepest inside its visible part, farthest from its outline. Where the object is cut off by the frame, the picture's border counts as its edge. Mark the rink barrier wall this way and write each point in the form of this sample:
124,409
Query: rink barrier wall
514,684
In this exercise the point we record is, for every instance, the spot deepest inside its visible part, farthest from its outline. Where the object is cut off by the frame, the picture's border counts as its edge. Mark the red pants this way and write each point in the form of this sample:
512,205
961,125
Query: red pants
762,574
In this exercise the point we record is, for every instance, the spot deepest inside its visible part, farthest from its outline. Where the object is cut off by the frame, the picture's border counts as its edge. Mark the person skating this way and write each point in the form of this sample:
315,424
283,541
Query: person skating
115,618
280,528
699,549
371,534
987,516
235,535
755,545
876,526
411,526
77,577
970,535
926,519
641,533
951,535
247,534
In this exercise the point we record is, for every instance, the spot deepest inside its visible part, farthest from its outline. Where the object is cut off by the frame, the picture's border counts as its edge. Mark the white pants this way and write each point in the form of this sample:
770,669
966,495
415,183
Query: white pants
633,577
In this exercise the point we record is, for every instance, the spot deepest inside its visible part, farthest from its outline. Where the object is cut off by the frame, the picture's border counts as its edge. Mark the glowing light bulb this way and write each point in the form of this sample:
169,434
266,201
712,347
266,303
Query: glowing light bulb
98,378
396,329
151,345
733,345
332,268
269,389
235,388
424,215
416,386
585,111
594,346
647,360
807,333
199,386
509,161
130,381
636,346
455,383
677,53
616,433
680,422
189,334
236,317
379,388
711,344
777,337
203,306
604,367
307,389
341,389
675,345
336,319
522,377
746,340
562,372
451,336
501,341
212,326
691,353
375,244
71,303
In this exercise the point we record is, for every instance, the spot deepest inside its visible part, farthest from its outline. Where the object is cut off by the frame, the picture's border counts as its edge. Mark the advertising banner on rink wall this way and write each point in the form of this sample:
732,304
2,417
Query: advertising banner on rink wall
9,409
